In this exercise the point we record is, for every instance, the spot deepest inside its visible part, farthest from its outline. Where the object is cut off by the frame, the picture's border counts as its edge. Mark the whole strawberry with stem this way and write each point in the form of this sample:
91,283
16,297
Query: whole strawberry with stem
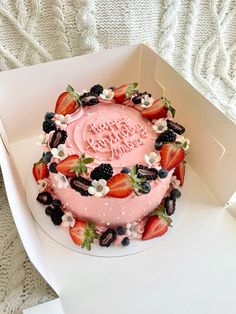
83,233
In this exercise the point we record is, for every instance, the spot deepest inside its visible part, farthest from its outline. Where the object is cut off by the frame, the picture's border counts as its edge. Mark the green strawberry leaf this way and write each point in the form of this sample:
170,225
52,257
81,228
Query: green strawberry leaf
89,235
168,105
161,213
131,89
70,89
88,160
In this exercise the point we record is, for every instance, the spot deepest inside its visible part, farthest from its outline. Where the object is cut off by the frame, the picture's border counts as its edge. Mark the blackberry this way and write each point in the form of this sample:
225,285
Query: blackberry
56,203
48,210
48,126
145,187
107,237
125,241
53,167
163,173
138,98
175,193
47,157
59,137
96,90
166,136
177,128
169,205
104,171
44,198
49,115
145,172
125,170
56,216
88,99
158,145
80,185
121,230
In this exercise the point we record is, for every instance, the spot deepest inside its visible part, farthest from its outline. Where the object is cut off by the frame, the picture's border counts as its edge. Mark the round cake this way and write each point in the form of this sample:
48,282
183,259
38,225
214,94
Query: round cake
112,163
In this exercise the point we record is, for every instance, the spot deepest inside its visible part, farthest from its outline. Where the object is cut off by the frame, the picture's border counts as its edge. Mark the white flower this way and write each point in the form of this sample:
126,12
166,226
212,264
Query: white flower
42,184
145,101
62,121
175,182
99,188
62,181
159,125
43,140
107,94
185,142
135,230
59,152
68,220
152,158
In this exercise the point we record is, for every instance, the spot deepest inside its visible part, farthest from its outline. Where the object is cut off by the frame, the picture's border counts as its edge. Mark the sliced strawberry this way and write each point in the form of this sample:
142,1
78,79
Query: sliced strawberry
180,172
40,171
67,102
83,233
159,109
77,232
171,155
120,93
65,166
155,227
120,185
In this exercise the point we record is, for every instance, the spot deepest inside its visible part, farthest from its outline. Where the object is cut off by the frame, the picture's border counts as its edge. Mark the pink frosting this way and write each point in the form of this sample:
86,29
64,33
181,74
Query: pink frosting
119,135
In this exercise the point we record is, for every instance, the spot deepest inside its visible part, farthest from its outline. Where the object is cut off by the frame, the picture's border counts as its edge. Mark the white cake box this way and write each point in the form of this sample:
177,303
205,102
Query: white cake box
83,282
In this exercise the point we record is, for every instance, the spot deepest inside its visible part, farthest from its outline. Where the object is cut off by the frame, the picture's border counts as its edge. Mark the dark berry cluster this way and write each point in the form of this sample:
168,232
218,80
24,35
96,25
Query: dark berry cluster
138,97
81,185
88,99
59,137
145,172
177,128
96,90
110,235
103,171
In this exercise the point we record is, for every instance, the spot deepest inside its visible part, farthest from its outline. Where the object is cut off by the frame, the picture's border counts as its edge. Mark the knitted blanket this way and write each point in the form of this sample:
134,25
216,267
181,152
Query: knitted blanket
197,37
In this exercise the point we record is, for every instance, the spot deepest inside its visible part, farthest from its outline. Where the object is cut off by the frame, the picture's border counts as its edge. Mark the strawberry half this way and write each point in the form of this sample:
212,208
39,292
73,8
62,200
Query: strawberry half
66,165
180,172
83,234
120,185
171,155
67,102
159,109
157,224
124,92
40,171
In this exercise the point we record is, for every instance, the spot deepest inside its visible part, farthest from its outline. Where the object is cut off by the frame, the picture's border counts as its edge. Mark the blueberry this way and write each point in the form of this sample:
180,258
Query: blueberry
52,167
175,193
145,187
158,145
48,210
56,203
125,241
47,157
121,230
125,170
49,115
56,215
163,173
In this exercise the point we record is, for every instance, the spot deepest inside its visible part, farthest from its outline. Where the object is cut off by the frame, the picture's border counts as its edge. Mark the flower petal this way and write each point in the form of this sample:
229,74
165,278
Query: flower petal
91,190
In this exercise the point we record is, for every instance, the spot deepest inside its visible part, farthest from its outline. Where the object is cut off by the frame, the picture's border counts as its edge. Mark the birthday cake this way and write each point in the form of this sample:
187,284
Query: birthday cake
112,163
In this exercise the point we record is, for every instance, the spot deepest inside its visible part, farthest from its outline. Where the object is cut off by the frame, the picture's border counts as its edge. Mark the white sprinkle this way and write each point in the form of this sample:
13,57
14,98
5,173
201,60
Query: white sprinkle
104,215
106,204
66,204
118,218
149,202
108,223
123,213
110,208
85,208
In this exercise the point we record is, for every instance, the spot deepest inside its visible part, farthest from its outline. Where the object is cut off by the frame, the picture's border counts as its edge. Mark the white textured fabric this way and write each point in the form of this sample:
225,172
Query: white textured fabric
197,37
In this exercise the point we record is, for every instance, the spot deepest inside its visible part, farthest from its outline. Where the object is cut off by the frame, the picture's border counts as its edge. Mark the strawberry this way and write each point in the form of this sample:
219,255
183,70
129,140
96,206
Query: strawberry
159,109
120,185
124,92
180,172
83,233
40,170
67,164
67,102
157,224
171,155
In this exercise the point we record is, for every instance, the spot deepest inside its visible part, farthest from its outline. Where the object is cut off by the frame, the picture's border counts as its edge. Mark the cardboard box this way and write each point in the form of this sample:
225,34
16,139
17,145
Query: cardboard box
84,283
